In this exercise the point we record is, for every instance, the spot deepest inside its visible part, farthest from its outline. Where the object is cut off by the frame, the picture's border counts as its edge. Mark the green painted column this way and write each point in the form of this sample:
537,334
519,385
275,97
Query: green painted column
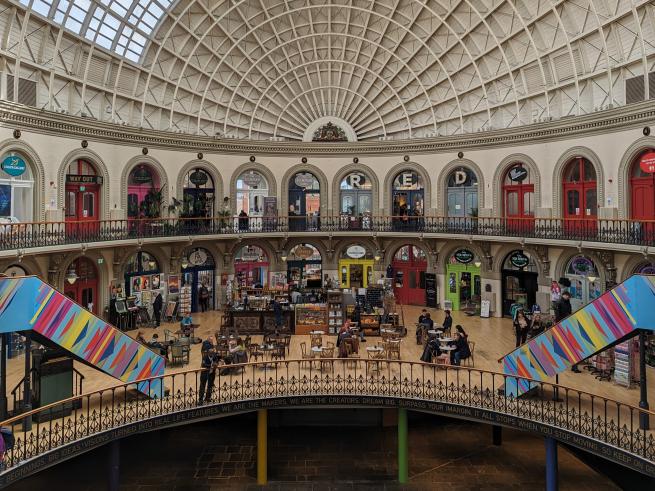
403,458
262,447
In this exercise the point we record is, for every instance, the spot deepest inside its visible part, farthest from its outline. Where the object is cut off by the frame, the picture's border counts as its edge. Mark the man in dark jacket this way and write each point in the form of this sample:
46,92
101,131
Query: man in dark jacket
156,308
209,364
562,310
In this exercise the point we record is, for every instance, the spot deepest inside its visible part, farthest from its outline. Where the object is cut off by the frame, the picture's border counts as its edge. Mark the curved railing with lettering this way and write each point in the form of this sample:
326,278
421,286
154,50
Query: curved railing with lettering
607,428
44,234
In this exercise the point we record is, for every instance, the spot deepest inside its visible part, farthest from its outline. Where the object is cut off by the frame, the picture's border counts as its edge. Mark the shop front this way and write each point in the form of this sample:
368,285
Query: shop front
304,202
16,189
356,198
519,280
407,200
463,285
356,267
642,192
198,271
462,196
518,198
82,203
408,270
251,267
139,270
81,283
580,196
143,193
586,284
198,195
304,267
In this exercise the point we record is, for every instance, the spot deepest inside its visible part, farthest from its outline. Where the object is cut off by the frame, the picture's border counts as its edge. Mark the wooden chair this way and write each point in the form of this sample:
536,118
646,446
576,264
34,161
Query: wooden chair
470,361
255,353
177,354
393,350
287,342
279,353
330,344
316,340
306,357
327,363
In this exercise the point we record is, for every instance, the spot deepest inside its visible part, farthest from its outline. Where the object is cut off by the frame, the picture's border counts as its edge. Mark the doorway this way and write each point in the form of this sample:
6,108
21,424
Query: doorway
84,290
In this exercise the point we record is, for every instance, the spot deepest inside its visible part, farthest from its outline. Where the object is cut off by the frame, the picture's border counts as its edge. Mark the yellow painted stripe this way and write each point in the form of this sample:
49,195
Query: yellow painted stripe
42,306
625,309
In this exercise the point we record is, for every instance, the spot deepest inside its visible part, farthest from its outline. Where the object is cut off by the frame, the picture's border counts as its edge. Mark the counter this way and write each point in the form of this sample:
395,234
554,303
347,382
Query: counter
260,321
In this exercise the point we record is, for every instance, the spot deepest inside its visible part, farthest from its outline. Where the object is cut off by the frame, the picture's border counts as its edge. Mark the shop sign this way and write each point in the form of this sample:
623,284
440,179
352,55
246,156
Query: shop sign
13,165
198,257
518,174
304,181
464,256
303,252
582,266
519,260
356,181
253,179
356,252
78,179
647,162
141,175
251,255
460,177
198,177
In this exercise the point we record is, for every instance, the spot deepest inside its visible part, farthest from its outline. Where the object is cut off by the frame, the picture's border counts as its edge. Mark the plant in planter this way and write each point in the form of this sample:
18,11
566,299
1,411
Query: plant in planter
150,207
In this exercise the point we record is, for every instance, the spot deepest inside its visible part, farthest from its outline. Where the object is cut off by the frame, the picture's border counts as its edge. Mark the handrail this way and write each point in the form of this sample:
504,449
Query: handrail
603,426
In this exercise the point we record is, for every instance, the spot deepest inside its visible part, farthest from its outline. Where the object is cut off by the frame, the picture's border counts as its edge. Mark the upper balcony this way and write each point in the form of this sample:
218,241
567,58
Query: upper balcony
628,235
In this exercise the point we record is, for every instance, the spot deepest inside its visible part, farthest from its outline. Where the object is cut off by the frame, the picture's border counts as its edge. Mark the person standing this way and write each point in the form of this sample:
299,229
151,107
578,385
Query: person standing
447,322
562,310
243,220
207,375
157,305
204,297
277,312
521,327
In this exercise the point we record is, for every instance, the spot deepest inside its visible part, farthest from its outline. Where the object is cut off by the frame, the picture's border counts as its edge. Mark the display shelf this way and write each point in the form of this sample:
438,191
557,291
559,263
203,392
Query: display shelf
623,364
374,296
311,317
184,301
335,311
370,323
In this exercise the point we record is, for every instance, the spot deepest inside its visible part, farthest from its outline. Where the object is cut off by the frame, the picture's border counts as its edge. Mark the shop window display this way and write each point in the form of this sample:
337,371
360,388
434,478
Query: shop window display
16,189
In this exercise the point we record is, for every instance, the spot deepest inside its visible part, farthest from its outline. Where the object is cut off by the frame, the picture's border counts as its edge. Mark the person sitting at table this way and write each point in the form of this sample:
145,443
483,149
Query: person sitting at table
344,332
185,325
356,316
139,338
461,344
237,352
431,349
447,322
422,329
156,345
422,316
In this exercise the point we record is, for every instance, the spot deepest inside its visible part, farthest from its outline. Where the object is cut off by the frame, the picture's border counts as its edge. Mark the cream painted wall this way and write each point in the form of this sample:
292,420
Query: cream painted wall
609,148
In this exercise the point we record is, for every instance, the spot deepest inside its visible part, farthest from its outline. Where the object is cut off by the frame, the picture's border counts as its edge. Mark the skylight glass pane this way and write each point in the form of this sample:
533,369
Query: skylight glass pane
41,7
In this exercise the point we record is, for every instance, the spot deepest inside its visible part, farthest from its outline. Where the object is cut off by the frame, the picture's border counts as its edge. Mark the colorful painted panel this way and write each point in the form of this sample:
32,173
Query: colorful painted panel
600,323
29,303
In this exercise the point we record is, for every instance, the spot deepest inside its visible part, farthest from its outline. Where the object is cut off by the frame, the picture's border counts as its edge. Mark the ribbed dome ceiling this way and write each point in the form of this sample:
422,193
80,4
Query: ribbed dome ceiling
264,69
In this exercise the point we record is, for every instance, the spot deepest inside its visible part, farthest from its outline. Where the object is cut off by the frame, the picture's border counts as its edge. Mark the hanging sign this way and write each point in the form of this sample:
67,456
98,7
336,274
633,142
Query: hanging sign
518,174
141,175
464,256
78,179
198,257
518,259
304,181
647,162
198,177
303,252
356,252
582,266
13,165
252,179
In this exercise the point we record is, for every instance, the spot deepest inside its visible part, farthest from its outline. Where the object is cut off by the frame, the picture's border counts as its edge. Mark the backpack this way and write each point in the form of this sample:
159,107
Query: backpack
7,438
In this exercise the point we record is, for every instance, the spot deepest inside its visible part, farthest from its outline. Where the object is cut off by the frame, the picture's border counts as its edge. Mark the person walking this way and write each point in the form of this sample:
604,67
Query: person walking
208,364
204,297
157,305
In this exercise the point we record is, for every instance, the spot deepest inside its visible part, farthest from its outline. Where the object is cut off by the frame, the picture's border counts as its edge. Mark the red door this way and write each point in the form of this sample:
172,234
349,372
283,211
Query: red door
408,265
82,209
84,290
580,198
518,199
643,206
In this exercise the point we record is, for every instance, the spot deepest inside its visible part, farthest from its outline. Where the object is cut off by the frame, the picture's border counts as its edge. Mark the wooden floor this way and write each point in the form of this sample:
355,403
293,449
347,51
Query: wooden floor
493,337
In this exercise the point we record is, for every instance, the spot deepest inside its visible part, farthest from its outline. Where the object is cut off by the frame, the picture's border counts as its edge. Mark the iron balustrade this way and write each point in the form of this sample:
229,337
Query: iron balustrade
594,423
43,234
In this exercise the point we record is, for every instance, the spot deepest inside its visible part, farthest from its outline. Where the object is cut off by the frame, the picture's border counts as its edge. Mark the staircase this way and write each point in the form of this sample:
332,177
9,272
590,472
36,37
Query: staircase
614,316
28,303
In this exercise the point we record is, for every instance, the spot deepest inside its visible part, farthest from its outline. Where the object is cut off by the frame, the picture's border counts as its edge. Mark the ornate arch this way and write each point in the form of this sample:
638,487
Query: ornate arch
101,168
391,249
623,173
206,166
342,245
143,159
632,263
450,248
322,180
19,146
568,254
391,175
501,254
502,169
364,169
293,242
261,169
442,181
28,263
564,159
163,259
102,269
263,244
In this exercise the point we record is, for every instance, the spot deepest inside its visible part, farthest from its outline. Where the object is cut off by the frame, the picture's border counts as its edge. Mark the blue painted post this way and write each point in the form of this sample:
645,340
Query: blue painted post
551,464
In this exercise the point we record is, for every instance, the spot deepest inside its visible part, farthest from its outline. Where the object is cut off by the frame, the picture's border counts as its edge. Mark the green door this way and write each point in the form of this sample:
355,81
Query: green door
462,283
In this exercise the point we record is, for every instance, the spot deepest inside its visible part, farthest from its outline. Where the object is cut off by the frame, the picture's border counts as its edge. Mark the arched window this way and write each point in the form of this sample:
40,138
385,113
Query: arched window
304,266
408,200
580,195
198,196
642,186
252,188
198,273
645,268
16,188
251,267
304,202
518,192
83,185
462,193
15,270
139,270
356,194
144,195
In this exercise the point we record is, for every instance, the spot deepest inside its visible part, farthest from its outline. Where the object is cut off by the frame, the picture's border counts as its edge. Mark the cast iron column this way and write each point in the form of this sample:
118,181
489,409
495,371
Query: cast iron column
551,464
27,392
114,465
262,447
403,464
643,389
3,377
497,435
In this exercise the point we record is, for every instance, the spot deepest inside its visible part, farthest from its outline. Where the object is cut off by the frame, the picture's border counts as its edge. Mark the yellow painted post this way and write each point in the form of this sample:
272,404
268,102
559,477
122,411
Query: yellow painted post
262,447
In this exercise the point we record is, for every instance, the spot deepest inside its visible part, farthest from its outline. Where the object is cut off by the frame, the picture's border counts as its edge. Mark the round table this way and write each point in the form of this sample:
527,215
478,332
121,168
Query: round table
447,348
317,333
374,349
446,340
317,349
